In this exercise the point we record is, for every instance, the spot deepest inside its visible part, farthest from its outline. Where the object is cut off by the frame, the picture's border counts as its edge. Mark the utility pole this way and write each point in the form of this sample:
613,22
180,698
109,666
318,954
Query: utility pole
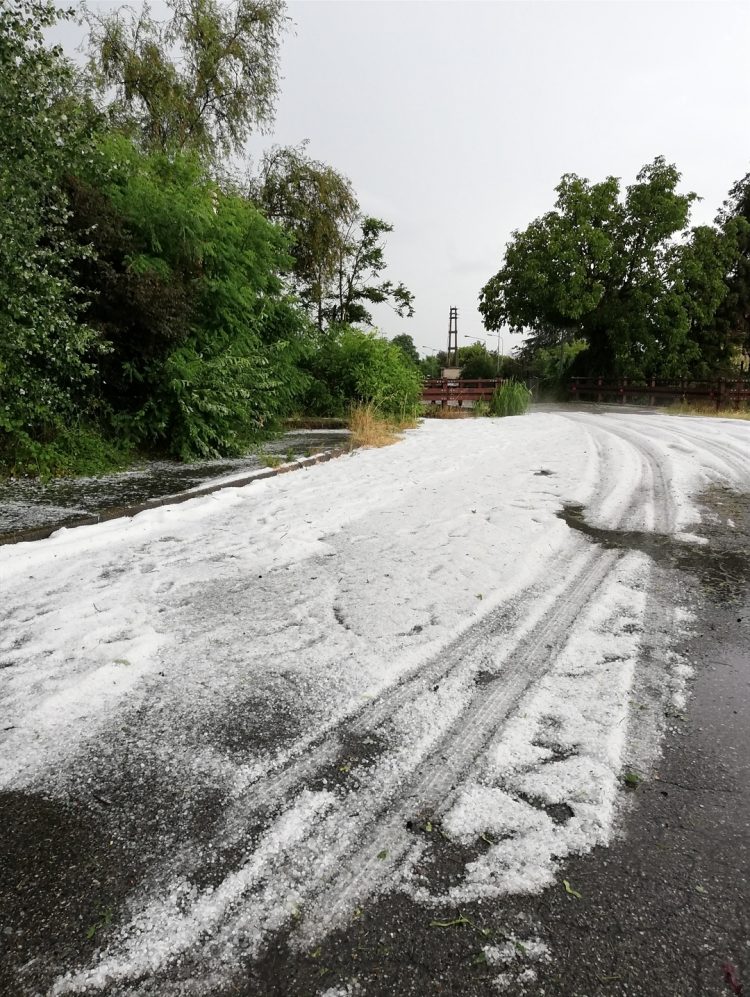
453,337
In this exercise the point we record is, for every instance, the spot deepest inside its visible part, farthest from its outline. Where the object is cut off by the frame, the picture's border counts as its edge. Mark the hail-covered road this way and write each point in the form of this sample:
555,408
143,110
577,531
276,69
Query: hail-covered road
419,672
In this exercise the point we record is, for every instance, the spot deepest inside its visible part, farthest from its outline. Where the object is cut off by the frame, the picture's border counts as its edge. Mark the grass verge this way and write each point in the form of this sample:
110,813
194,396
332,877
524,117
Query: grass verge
685,408
430,411
370,428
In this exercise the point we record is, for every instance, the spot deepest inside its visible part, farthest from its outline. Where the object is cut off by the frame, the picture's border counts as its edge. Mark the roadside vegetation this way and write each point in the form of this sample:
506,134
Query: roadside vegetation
615,283
511,398
153,299
370,428
159,295
692,408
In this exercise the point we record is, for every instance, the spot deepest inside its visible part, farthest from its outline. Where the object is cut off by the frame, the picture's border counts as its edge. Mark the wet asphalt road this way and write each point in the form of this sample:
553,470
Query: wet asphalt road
663,912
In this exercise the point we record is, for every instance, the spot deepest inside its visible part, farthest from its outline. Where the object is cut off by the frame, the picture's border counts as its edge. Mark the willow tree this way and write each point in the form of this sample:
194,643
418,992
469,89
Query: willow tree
338,252
204,79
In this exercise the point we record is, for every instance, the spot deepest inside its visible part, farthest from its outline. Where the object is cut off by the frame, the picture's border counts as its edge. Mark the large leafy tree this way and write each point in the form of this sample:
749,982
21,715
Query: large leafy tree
732,321
713,273
339,253
204,79
359,282
317,206
45,128
603,267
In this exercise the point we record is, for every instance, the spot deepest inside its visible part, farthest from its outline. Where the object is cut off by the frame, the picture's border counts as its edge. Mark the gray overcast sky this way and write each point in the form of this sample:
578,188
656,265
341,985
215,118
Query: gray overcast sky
454,121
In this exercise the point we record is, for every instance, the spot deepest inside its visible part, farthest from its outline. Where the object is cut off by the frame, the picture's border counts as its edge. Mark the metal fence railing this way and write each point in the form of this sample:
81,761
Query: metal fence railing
722,393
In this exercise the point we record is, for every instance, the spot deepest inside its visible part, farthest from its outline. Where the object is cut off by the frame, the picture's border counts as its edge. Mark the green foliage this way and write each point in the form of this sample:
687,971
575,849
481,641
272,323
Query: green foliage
45,350
476,362
511,398
338,252
78,448
406,344
202,80
603,268
430,366
708,271
359,278
352,367
551,364
316,205
187,288
731,324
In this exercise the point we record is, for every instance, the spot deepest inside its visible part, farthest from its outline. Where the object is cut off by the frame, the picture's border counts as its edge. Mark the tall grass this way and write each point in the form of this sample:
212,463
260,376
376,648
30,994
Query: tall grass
511,398
370,428
430,411
704,409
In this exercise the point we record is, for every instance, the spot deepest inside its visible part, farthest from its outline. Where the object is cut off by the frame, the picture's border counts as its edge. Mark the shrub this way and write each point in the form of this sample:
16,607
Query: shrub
187,290
511,398
352,367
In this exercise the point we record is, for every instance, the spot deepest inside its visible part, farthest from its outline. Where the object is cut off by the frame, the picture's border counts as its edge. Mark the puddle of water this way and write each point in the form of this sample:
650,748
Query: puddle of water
27,504
722,570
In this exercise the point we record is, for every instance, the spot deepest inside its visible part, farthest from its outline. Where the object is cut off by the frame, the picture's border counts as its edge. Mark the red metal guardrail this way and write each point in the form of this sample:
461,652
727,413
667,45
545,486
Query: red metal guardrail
721,393
445,391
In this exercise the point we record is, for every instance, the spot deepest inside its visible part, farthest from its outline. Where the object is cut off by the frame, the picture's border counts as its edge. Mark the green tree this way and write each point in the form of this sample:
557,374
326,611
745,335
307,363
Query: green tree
476,362
732,320
430,366
45,351
406,344
351,366
339,255
710,268
317,206
601,268
359,282
204,79
187,288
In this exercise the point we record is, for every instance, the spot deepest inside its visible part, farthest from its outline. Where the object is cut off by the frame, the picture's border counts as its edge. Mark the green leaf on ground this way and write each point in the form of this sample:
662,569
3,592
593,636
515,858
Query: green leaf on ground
454,923
570,891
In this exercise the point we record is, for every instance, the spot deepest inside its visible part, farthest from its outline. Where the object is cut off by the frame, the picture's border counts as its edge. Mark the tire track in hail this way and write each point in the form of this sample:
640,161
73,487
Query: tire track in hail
432,788
467,653
652,460
354,868
344,845
434,782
